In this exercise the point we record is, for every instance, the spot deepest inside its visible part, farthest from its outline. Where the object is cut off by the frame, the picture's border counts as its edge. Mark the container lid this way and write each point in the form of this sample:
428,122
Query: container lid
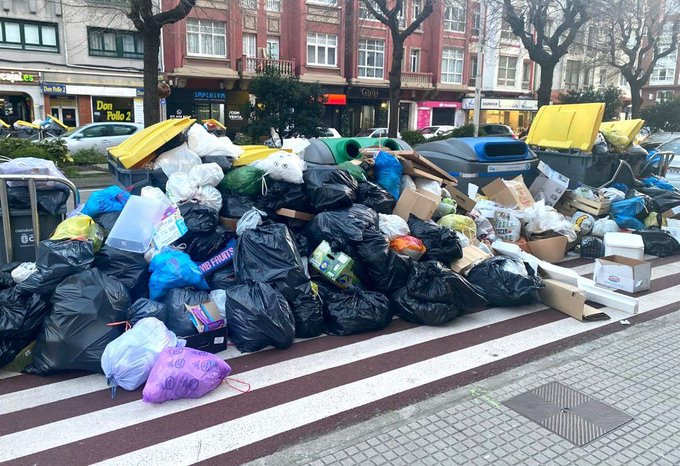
570,126
623,240
629,128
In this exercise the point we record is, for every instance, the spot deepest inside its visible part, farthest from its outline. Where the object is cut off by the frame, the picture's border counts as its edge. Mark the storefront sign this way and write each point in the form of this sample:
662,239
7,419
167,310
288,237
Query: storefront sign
113,109
17,76
502,104
139,110
368,93
209,95
235,115
436,104
140,91
54,88
335,99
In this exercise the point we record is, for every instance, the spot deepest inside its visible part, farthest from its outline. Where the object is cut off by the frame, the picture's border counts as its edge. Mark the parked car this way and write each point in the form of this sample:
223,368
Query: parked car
274,140
495,130
673,173
99,136
434,131
375,133
656,139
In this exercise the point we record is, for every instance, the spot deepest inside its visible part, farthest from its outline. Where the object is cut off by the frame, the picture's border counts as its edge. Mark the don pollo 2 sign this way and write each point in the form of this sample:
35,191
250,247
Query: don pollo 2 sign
113,109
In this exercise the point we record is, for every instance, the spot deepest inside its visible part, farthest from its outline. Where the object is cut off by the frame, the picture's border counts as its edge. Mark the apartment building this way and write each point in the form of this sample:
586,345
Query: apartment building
78,60
664,82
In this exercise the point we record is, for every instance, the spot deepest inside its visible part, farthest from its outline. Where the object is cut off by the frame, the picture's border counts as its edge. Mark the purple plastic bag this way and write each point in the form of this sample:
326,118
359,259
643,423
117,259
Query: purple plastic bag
184,373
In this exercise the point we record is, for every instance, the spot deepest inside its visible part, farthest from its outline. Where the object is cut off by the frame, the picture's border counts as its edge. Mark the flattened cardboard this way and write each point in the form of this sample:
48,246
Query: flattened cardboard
463,201
295,214
229,223
426,164
570,300
420,203
623,273
550,249
550,185
513,193
472,255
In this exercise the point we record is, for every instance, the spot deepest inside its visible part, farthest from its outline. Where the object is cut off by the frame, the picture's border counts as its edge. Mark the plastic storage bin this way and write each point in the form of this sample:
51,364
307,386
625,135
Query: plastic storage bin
21,224
135,226
136,177
581,168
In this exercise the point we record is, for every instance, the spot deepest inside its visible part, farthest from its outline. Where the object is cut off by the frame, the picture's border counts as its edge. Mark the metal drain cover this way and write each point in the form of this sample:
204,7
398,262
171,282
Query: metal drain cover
568,413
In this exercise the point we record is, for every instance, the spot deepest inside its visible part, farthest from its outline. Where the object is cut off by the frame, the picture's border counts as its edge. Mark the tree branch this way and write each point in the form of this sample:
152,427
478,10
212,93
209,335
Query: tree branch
179,12
422,16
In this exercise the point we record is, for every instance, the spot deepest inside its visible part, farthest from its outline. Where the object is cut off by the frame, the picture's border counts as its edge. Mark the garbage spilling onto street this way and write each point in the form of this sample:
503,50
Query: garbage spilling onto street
210,244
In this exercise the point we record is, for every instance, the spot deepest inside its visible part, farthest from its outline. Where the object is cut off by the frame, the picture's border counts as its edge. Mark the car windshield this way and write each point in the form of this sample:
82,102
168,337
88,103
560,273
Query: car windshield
429,130
670,146
366,133
69,133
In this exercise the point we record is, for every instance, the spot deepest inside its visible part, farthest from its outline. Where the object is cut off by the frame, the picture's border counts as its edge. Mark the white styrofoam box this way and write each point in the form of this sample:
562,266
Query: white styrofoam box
624,244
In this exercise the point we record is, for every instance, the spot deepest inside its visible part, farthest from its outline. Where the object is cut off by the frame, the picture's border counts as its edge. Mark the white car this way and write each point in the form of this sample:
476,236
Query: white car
434,131
375,133
331,133
99,136
673,173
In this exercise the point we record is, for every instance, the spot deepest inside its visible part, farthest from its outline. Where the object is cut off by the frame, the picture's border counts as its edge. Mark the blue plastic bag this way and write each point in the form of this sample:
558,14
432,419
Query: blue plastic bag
388,173
626,211
111,199
173,269
656,182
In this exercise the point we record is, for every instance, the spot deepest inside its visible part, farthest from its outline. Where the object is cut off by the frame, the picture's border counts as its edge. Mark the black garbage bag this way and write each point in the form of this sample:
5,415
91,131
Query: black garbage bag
329,188
107,220
176,141
175,302
308,314
442,243
200,220
223,161
203,247
387,270
592,247
659,243
222,278
505,282
283,195
55,261
301,242
50,201
235,205
20,319
6,280
258,316
342,227
75,333
432,281
373,196
268,254
662,199
143,308
355,311
411,309
130,268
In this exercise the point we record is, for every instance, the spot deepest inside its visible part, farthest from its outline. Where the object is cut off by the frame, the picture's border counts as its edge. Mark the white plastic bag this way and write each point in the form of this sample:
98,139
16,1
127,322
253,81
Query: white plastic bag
249,220
153,193
219,297
179,159
23,271
612,194
179,188
406,183
392,225
206,174
583,223
428,185
127,360
209,196
604,225
31,166
507,224
541,218
462,239
282,165
204,143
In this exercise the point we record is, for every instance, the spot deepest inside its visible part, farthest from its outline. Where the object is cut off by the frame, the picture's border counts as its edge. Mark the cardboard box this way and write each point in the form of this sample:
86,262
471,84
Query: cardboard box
624,244
422,163
229,223
169,229
623,273
420,203
205,317
21,360
463,201
295,214
334,266
211,342
513,193
472,255
550,249
570,300
550,185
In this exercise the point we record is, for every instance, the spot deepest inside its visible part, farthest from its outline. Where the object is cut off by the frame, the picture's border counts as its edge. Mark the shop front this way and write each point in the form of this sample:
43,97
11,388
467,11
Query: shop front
432,113
20,97
203,104
335,105
516,113
367,106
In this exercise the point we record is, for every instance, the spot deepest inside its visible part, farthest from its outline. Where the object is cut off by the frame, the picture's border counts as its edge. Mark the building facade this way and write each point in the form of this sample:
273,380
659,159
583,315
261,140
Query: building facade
664,83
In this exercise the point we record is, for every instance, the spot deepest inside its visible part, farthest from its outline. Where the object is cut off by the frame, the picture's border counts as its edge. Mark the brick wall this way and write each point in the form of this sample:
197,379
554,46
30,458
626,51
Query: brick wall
84,109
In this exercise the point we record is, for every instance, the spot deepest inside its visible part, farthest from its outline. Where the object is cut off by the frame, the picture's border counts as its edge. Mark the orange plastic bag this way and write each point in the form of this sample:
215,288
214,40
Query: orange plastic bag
409,246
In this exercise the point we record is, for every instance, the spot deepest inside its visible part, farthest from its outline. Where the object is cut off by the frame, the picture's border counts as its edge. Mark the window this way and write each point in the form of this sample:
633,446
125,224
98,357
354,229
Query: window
401,16
365,13
251,4
97,131
452,66
250,45
206,38
322,49
526,74
325,2
506,31
663,96
454,19
548,30
571,78
28,36
579,41
592,36
602,78
415,61
507,68
122,130
274,6
371,58
476,21
112,43
586,77
664,71
473,71
417,8
273,48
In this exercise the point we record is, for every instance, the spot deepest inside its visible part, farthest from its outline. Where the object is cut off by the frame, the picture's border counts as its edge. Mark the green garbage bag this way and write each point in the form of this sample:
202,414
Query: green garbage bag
355,170
246,181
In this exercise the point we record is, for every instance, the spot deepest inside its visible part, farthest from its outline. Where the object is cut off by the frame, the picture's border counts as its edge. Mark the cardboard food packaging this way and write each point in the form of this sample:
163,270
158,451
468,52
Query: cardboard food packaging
623,273
334,266
550,249
295,214
624,244
229,223
419,202
550,185
463,201
205,317
472,255
513,193
570,300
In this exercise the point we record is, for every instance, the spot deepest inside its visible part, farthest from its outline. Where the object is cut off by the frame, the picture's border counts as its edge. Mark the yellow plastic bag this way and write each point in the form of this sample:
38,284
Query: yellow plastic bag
80,227
461,223
652,220
615,137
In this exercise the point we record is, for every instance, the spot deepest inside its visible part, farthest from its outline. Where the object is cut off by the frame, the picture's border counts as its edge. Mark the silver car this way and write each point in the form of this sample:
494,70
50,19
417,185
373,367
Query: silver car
99,136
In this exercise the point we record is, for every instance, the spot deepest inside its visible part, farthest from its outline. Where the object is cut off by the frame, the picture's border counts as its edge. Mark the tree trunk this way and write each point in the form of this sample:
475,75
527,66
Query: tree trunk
152,45
545,86
635,99
395,87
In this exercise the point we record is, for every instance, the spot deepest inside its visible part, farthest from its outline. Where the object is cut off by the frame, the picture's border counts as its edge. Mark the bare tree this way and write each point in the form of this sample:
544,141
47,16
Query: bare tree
389,16
547,28
637,34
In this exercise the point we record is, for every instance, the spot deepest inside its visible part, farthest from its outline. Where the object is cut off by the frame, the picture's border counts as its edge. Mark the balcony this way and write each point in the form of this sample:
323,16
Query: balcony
410,79
248,66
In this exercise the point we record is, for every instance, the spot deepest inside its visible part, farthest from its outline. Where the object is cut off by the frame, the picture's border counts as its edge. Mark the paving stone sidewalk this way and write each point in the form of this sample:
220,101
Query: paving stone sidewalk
636,371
